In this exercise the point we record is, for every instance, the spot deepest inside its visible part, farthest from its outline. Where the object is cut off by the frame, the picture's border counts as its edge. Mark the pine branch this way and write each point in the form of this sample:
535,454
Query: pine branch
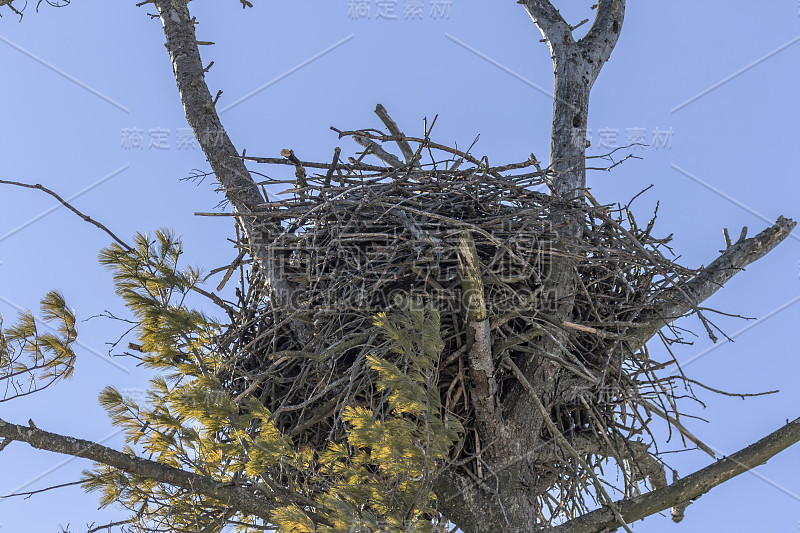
242,499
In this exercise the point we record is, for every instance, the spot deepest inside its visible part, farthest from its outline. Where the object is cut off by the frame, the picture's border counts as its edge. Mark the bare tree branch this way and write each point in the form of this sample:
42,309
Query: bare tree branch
30,493
378,151
210,295
69,206
229,168
554,28
242,499
603,35
689,488
108,526
673,302
394,130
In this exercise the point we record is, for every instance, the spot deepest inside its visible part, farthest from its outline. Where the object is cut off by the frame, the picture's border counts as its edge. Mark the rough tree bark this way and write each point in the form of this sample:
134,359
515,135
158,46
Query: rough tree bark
575,68
229,169
512,445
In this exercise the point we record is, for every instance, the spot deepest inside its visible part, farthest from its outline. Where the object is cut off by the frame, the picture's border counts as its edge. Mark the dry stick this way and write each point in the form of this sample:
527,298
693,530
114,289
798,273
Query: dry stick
68,206
482,370
391,125
692,300
645,457
213,297
231,268
109,525
39,491
685,432
356,165
427,142
563,441
299,172
741,395
378,151
458,223
334,164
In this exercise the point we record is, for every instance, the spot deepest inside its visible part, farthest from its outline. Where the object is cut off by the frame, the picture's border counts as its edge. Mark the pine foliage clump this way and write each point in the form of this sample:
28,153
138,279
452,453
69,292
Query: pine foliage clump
378,477
32,359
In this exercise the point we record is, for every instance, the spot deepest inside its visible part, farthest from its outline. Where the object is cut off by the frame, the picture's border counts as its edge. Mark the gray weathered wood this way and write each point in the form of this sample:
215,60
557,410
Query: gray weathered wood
229,169
690,487
576,65
675,302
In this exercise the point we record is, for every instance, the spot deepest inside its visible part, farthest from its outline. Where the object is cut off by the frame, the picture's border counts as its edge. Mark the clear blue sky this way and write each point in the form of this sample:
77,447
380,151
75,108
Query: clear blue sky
75,80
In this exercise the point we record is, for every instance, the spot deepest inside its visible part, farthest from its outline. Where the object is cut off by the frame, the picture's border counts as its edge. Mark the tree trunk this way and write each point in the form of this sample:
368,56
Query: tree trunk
514,436
229,168
576,66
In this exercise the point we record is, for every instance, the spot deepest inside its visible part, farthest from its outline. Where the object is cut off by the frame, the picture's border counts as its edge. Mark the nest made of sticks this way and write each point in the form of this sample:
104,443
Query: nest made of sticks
356,235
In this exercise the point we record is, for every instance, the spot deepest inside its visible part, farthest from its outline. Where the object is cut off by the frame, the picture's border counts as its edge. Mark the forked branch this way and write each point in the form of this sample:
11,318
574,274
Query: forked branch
554,28
603,35
576,66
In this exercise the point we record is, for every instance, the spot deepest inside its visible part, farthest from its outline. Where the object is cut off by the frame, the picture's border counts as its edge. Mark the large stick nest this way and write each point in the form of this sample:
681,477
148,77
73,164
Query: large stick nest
355,236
